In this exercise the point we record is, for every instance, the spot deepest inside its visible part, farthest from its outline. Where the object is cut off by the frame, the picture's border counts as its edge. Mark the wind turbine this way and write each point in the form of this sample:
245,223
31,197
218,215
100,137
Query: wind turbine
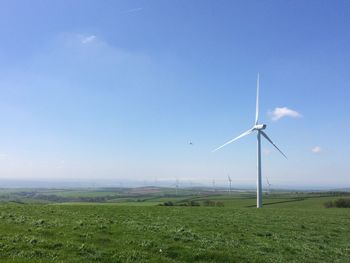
177,186
258,128
230,181
268,185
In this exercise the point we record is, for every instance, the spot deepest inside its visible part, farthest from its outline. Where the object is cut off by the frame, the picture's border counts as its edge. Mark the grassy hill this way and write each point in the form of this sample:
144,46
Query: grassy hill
290,228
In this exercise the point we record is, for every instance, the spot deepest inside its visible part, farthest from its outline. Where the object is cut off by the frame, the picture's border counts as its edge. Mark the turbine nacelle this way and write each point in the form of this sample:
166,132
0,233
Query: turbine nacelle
259,127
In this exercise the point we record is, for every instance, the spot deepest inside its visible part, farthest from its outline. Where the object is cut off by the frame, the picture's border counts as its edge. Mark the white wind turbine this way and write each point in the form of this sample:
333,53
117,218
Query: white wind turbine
230,182
259,129
268,185
177,186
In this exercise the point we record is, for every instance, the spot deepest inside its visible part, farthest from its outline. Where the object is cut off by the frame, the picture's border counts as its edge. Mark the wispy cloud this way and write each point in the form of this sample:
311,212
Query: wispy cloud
279,113
132,10
316,149
87,39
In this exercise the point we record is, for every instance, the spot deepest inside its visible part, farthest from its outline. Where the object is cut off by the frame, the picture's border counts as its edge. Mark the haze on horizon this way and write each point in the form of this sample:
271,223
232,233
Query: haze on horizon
116,90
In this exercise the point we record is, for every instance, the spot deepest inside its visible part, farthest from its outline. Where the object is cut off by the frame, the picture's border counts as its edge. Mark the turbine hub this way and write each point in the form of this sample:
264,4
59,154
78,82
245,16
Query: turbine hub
260,127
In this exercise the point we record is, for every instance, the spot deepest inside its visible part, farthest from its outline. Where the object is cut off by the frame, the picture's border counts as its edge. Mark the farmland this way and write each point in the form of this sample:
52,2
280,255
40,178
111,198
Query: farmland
125,225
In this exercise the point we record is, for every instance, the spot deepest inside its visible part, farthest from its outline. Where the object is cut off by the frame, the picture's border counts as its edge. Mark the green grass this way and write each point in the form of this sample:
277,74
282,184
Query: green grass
287,229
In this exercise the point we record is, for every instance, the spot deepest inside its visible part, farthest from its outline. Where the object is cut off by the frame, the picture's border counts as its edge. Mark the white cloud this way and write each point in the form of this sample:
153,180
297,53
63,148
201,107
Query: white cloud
132,10
316,149
279,113
87,39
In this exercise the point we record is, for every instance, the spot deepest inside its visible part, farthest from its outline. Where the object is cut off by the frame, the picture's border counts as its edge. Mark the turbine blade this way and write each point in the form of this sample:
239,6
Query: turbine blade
267,138
240,136
257,101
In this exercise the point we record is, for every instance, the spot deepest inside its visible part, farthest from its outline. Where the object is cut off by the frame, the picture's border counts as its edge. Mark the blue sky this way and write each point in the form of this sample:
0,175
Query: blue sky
115,89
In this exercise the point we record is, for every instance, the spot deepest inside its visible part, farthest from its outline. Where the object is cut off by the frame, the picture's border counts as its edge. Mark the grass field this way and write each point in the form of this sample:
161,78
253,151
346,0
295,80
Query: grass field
290,228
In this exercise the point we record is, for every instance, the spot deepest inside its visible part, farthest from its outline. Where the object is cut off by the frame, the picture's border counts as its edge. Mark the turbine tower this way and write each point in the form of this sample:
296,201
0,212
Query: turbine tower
230,182
259,129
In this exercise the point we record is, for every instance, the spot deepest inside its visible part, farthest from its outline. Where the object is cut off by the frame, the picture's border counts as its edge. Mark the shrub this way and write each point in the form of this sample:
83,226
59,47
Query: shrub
213,203
339,203
208,203
328,204
342,203
194,203
220,204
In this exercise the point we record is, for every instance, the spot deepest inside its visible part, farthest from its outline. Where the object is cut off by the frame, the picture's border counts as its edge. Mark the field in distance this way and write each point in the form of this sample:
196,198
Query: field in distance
157,225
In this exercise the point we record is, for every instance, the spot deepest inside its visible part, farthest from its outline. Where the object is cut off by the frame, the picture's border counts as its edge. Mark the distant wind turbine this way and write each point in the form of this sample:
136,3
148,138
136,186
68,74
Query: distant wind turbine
177,186
259,129
268,185
230,181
